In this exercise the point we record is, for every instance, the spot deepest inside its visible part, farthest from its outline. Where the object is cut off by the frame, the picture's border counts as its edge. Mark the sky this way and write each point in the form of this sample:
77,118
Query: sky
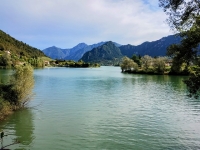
65,23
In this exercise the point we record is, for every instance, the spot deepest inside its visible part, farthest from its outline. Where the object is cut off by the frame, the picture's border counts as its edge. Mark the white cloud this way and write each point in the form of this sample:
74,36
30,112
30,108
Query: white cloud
65,23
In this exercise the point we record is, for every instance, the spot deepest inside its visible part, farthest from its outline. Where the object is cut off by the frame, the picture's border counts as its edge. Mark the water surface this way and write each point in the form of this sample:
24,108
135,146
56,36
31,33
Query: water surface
101,108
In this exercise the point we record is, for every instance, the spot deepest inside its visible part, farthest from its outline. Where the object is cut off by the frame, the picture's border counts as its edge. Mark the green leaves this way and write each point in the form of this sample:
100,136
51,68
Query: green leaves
128,64
193,84
184,16
23,83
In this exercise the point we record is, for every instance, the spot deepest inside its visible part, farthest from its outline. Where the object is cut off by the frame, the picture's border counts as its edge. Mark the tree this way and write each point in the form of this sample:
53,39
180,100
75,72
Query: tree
22,85
5,60
184,16
193,84
2,47
159,64
146,62
136,59
128,64
187,51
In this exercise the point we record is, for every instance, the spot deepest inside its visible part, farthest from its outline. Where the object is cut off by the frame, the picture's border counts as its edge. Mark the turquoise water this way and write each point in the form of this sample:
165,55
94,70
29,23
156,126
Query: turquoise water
101,108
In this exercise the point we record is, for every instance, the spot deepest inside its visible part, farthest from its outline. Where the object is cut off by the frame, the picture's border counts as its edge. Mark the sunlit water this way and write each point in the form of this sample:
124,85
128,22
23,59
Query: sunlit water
103,109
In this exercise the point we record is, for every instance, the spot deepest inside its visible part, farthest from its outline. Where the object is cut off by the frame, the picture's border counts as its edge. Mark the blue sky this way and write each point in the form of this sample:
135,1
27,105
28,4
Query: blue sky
65,23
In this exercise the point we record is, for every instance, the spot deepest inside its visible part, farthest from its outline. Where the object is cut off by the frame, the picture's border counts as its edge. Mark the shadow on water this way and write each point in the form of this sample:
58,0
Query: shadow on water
19,128
173,84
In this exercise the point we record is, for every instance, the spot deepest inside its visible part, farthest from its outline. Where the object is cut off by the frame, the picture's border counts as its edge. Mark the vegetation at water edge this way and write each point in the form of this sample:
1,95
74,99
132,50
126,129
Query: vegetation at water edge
17,93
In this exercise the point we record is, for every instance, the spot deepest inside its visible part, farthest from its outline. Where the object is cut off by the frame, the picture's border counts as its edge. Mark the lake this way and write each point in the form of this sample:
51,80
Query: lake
103,109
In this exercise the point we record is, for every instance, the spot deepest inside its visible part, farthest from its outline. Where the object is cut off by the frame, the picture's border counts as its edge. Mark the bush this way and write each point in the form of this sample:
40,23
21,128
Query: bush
5,108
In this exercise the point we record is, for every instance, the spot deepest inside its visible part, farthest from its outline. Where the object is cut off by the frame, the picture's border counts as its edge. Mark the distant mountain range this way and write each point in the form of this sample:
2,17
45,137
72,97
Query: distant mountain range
74,53
155,48
110,51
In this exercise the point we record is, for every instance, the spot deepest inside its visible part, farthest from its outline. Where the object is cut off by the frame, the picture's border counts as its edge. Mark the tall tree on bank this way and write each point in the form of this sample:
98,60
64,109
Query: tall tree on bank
146,62
17,93
184,17
23,82
128,64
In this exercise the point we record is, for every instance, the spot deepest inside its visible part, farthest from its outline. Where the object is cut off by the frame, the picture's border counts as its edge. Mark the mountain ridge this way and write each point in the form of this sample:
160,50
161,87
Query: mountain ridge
106,54
74,53
154,48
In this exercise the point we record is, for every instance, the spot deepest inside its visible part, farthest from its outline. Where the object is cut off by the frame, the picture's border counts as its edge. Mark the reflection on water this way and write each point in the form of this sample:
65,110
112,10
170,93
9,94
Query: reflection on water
102,108
18,126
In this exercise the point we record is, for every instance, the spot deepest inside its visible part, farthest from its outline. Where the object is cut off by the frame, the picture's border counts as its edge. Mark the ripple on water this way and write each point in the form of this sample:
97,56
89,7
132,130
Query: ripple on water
104,109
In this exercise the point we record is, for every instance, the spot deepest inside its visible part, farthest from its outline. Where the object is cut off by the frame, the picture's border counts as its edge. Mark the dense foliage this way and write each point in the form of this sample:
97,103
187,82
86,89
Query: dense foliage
16,47
14,52
17,93
147,65
184,16
74,64
128,64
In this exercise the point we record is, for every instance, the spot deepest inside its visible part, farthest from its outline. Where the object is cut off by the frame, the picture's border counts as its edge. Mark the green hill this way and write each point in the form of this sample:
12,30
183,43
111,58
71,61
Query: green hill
17,47
107,54
14,52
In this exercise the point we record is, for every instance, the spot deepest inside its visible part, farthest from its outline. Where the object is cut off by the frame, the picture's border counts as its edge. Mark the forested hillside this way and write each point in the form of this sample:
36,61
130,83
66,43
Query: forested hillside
17,47
14,52
107,54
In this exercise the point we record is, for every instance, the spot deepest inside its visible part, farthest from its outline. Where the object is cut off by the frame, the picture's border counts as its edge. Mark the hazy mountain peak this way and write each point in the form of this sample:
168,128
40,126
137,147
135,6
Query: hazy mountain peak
80,46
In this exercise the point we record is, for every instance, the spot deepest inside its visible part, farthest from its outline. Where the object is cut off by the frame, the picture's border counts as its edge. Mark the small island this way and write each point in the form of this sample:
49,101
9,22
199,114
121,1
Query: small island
72,64
155,66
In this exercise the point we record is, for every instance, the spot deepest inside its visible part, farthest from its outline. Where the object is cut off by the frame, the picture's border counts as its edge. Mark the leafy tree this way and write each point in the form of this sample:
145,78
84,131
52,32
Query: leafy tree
128,64
22,84
136,59
184,16
187,51
193,84
17,93
5,60
159,64
146,62
36,62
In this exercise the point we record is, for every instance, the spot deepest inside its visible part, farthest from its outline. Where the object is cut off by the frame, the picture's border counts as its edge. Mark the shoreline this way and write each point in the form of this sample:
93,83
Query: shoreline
156,73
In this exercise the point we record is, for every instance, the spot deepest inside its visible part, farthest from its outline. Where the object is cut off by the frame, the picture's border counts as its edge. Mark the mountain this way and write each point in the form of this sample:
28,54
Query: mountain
56,53
106,54
78,54
16,47
74,53
117,44
155,48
